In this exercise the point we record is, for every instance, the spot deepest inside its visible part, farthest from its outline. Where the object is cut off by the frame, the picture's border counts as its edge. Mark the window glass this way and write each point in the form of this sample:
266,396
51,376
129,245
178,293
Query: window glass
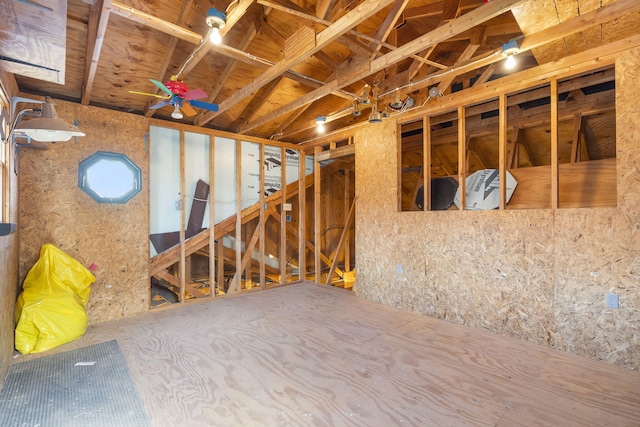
109,177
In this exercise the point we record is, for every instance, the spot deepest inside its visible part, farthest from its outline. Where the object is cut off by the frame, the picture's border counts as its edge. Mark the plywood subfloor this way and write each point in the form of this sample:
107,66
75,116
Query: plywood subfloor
308,355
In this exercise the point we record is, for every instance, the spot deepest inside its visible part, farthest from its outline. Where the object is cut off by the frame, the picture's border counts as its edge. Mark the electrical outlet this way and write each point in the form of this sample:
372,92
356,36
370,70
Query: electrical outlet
611,300
399,269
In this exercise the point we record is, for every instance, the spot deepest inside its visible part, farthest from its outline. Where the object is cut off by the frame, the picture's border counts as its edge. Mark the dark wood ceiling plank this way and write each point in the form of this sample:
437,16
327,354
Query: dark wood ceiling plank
450,10
350,20
97,27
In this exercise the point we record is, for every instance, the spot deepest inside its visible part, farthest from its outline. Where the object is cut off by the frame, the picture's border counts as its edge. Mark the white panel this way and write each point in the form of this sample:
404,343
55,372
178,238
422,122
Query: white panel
224,178
164,181
196,166
250,168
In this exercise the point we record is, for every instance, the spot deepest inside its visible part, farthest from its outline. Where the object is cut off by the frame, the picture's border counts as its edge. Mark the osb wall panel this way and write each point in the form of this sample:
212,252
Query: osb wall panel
8,259
54,210
537,275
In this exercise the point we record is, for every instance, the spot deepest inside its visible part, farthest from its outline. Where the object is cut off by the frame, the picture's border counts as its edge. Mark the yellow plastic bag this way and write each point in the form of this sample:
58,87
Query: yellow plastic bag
51,308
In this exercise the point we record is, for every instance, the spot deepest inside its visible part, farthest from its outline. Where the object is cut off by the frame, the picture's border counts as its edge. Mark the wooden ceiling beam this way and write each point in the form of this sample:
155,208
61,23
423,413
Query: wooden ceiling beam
358,72
151,21
314,22
559,31
232,18
388,25
360,13
323,7
344,111
97,27
231,64
468,52
256,103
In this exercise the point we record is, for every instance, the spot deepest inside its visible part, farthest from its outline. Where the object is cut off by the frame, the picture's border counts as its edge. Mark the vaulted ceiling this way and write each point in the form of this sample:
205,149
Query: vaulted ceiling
282,63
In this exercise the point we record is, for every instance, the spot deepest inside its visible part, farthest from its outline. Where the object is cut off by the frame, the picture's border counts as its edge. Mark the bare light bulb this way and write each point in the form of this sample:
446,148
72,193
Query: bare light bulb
510,63
215,36
177,114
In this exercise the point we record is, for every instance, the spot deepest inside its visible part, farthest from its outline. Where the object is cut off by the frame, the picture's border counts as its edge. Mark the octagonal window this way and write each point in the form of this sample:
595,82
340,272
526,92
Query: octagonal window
109,177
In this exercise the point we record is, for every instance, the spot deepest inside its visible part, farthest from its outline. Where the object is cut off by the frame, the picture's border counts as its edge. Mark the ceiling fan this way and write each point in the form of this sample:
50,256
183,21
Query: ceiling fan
178,95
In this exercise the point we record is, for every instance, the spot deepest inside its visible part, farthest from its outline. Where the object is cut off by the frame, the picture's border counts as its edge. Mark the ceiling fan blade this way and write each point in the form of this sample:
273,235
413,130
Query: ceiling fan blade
160,105
161,86
194,94
204,105
149,94
188,109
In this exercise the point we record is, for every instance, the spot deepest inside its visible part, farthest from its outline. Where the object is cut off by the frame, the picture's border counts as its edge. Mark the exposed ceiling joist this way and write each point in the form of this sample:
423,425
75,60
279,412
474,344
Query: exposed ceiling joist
97,29
358,72
351,19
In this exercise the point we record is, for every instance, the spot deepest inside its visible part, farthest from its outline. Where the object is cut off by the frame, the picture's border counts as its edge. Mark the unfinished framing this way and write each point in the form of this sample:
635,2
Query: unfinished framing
557,139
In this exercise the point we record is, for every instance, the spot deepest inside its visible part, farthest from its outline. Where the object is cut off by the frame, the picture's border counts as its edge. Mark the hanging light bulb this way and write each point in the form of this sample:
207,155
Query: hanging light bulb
397,101
215,36
375,116
216,21
177,114
356,109
365,100
386,113
320,120
510,50
510,63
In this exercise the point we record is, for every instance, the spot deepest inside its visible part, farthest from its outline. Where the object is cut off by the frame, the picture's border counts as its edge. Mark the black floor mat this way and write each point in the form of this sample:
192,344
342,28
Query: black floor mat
87,387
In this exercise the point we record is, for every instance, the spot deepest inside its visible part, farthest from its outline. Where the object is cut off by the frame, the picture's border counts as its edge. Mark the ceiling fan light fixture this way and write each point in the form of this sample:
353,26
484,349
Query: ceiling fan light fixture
177,114
216,21
47,127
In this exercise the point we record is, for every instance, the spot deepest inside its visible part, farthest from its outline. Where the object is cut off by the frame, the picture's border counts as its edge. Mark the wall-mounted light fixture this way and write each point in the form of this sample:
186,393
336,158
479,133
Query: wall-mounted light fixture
46,127
510,50
216,21
320,121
